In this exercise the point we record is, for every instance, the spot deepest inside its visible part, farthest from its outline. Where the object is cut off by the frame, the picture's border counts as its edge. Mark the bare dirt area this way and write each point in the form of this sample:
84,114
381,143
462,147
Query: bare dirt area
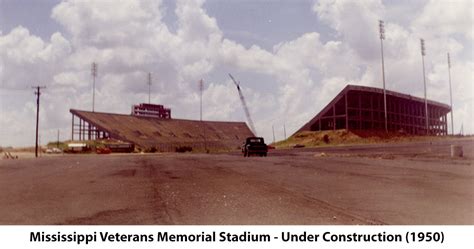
410,183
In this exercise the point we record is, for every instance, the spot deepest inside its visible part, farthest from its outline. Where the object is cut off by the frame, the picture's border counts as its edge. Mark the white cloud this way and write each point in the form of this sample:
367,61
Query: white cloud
108,23
355,21
194,23
20,47
446,18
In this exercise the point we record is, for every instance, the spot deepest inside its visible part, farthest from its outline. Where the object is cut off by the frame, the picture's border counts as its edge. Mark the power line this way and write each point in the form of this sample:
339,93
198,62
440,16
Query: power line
13,88
38,94
13,92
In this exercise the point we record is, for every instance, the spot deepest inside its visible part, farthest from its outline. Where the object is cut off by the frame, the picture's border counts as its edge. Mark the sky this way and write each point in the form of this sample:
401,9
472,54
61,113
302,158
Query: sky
291,58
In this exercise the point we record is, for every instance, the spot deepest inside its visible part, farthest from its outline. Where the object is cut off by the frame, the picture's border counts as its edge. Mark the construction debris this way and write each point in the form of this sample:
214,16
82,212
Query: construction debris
8,155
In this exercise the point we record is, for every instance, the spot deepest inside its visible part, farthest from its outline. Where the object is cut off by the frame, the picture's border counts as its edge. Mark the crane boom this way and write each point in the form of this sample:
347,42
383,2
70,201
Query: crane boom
244,104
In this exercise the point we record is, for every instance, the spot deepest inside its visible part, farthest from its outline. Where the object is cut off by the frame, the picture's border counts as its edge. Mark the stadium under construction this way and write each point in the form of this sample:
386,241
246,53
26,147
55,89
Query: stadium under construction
362,108
150,127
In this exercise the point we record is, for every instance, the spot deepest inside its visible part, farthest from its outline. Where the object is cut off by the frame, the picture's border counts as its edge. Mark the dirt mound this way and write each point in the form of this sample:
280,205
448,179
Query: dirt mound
343,137
319,138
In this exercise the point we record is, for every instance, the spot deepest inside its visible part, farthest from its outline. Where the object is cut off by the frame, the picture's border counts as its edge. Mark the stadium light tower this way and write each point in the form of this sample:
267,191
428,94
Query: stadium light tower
273,131
422,42
201,89
94,74
149,87
382,37
450,95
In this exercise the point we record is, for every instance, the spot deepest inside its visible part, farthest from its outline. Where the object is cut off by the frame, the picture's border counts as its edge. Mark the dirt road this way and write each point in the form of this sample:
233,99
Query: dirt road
372,184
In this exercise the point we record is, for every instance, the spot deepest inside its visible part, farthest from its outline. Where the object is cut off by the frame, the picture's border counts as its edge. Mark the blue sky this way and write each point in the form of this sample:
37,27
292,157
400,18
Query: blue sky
291,57
249,22
29,13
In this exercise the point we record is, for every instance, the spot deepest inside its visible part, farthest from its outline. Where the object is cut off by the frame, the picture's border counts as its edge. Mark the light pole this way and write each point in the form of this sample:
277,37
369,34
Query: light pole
149,87
382,37
273,131
450,95
201,89
94,74
422,42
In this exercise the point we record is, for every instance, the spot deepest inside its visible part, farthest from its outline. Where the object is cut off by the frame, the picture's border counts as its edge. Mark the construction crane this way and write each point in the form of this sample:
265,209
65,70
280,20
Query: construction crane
244,104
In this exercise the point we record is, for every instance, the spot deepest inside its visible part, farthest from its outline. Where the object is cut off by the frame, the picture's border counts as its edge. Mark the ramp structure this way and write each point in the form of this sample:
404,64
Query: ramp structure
162,134
362,108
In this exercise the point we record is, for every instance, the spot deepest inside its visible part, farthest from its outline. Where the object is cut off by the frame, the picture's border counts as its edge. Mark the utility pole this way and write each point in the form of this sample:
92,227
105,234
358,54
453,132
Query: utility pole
422,42
38,94
149,87
450,95
57,143
94,69
284,130
382,37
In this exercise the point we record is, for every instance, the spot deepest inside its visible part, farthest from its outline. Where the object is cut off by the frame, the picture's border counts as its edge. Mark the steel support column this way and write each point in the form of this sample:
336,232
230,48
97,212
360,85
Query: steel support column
347,112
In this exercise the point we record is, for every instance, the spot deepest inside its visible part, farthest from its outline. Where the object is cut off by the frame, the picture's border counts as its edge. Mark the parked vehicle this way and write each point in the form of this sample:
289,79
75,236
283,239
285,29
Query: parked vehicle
77,148
53,151
254,146
103,150
121,147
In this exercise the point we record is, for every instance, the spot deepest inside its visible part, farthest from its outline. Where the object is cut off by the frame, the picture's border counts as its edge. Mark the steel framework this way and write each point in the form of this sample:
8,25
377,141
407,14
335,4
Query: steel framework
81,130
362,108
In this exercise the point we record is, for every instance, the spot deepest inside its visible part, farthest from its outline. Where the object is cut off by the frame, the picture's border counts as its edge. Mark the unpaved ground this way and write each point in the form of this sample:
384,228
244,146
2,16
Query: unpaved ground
415,183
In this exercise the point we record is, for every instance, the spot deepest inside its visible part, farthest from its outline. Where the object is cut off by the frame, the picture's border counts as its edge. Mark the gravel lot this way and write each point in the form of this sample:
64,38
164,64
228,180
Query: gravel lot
414,183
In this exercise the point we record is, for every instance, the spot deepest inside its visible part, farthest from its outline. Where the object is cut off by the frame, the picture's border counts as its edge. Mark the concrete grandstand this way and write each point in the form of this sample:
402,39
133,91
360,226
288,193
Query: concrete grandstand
362,108
158,133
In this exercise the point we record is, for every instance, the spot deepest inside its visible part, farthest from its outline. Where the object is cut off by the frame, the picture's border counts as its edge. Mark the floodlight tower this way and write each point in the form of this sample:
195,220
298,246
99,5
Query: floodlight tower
273,131
422,42
149,87
201,89
94,75
450,95
382,37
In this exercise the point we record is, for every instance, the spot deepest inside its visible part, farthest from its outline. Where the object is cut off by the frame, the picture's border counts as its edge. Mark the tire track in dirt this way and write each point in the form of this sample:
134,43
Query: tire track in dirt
158,207
278,189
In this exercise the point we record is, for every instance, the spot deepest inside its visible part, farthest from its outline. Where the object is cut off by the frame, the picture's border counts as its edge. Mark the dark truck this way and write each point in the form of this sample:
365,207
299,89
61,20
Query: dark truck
255,146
